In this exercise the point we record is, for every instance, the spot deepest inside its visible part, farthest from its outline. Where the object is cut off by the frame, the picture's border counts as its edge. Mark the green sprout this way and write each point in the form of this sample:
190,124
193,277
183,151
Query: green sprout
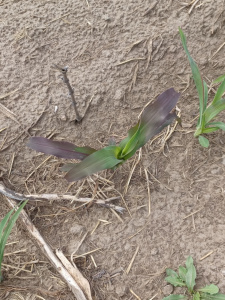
206,113
154,118
6,226
186,278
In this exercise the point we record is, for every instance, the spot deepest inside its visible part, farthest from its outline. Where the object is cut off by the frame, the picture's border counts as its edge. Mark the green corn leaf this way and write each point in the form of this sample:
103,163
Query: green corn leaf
175,297
196,75
131,132
105,158
182,273
7,228
219,93
203,141
210,289
210,129
131,144
191,274
206,296
219,79
4,222
213,110
220,125
196,296
176,281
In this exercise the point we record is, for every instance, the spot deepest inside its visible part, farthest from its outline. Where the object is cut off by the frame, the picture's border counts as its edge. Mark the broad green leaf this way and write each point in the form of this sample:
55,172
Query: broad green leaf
182,273
206,296
191,274
203,141
171,272
210,129
220,92
131,132
175,297
131,143
105,158
189,262
7,229
210,289
196,75
219,79
59,148
213,110
176,281
220,125
196,296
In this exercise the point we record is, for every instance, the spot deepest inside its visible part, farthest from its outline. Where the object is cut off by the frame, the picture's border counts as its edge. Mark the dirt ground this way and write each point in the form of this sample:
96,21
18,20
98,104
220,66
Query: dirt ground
121,54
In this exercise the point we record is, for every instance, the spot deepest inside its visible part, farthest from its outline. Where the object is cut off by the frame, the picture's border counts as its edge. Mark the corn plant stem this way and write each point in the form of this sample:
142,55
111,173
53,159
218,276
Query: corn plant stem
43,197
63,71
47,251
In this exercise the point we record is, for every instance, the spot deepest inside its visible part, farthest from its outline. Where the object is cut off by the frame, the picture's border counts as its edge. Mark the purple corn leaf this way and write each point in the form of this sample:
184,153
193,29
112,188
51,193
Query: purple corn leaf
59,148
102,159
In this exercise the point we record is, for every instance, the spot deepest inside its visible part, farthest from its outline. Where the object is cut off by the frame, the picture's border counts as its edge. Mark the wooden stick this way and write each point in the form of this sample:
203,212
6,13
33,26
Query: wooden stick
47,251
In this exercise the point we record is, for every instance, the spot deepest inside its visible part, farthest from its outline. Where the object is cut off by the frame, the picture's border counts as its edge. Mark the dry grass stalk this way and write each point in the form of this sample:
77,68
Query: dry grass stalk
47,251
132,260
76,274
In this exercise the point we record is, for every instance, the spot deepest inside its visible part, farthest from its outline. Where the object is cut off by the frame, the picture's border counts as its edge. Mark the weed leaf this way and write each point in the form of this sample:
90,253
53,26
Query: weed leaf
203,141
196,75
219,79
59,149
175,297
210,129
191,274
205,95
176,281
196,296
220,92
214,109
206,296
182,273
171,272
210,289
105,158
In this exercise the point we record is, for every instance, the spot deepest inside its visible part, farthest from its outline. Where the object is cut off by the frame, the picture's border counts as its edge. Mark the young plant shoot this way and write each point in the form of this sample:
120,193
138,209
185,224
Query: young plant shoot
186,278
206,113
154,118
6,226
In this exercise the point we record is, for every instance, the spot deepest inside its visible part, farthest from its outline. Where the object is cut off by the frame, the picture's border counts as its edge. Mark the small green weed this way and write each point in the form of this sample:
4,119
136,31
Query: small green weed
186,278
206,113
6,226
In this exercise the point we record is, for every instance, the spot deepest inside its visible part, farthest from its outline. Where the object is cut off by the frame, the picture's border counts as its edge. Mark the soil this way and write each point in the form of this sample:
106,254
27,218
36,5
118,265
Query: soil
120,55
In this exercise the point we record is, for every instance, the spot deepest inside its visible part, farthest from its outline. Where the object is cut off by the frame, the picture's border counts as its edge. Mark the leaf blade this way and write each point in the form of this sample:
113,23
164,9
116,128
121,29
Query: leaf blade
213,110
203,141
210,289
219,93
105,158
175,297
59,148
191,274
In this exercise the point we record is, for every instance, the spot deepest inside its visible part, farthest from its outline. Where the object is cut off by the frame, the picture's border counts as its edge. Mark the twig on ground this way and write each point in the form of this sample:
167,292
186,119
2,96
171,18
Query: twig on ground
63,71
47,251
34,197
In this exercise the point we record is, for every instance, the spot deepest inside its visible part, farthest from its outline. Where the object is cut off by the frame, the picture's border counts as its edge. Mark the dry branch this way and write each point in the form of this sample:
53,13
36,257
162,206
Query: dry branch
47,251
43,197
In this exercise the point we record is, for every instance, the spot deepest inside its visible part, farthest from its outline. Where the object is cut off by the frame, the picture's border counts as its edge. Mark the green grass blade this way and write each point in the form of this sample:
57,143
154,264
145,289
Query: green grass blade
210,129
220,125
175,297
105,158
219,79
130,145
203,141
8,229
219,93
196,76
131,132
210,289
213,110
4,221
205,95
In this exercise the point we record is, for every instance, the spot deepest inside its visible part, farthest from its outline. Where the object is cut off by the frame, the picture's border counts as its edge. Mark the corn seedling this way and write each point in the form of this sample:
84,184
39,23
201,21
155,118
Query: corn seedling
186,278
206,113
6,226
154,118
